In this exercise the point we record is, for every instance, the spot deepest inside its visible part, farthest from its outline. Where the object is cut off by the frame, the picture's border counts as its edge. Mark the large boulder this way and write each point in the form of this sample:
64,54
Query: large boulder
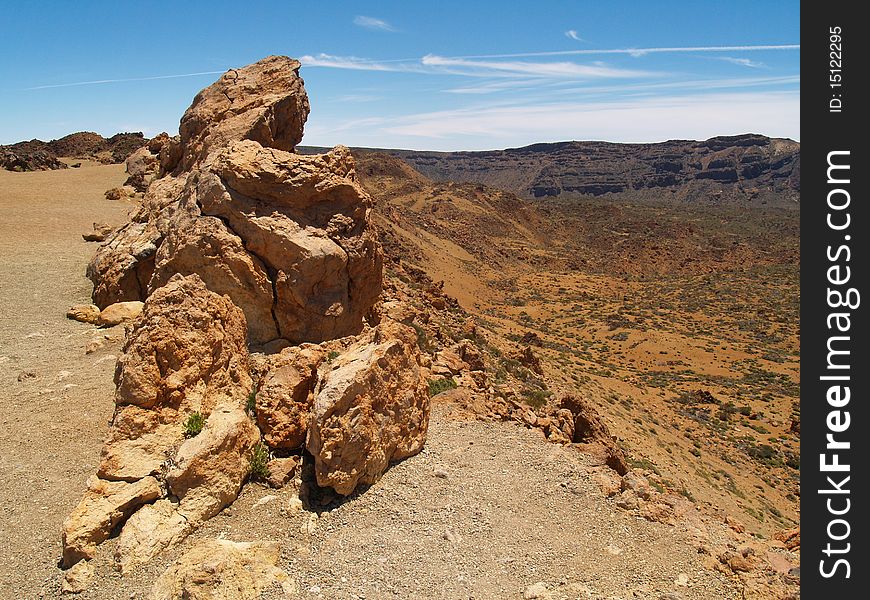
371,408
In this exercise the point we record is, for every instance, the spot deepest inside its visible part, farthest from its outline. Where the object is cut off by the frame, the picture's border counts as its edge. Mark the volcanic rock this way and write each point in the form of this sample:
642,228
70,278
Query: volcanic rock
371,407
286,236
264,102
186,354
285,396
105,505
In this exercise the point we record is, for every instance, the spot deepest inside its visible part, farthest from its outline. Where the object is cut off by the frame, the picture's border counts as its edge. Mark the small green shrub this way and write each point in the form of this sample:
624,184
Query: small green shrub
331,356
251,403
259,462
437,386
194,424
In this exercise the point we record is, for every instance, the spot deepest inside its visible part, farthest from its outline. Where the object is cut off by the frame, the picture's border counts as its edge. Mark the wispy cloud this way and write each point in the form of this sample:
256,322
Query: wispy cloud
121,80
743,62
640,51
561,70
372,23
572,33
355,63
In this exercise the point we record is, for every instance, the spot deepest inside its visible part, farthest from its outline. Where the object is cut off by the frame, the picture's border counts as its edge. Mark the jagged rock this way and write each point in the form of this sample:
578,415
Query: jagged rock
286,236
448,362
118,313
285,395
530,360
209,468
105,505
264,102
224,570
207,247
100,233
371,407
84,313
791,538
471,355
119,193
590,430
307,220
186,354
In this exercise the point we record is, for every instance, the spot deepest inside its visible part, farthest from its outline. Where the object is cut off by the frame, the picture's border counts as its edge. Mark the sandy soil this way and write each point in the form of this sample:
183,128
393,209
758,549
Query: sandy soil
485,511
56,400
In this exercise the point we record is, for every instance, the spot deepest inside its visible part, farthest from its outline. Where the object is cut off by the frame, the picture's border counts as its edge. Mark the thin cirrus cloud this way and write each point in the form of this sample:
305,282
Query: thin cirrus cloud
120,80
561,70
572,33
743,62
372,23
440,65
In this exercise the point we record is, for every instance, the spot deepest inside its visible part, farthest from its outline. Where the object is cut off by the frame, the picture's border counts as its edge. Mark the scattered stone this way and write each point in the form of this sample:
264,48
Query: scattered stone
790,537
281,471
264,500
120,193
100,233
84,313
536,590
118,313
451,536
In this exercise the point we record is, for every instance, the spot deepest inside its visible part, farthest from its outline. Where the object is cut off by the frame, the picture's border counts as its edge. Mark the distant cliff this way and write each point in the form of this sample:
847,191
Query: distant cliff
748,165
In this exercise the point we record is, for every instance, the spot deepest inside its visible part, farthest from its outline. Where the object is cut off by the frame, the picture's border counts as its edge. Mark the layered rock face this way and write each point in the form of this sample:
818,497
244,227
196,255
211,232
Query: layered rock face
286,236
239,242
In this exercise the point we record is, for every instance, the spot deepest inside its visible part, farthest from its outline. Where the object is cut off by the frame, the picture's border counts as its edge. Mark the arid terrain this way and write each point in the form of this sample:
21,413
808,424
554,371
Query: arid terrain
612,371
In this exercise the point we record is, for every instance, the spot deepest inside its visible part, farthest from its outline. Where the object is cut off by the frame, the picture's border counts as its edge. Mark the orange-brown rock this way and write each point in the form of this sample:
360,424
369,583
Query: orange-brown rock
222,569
371,407
264,102
287,237
105,505
285,395
185,354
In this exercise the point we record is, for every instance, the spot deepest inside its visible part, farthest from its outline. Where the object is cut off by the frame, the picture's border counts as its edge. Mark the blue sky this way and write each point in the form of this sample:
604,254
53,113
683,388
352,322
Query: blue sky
442,75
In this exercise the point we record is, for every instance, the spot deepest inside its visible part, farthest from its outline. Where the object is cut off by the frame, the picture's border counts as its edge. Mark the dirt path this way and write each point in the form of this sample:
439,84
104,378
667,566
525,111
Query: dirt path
53,419
486,511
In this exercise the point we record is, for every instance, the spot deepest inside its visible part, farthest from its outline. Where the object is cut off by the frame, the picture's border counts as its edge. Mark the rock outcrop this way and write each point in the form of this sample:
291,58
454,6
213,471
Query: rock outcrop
240,242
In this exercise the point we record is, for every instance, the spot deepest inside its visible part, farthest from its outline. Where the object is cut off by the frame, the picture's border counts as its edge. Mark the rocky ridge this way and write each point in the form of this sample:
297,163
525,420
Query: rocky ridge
741,168
36,155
